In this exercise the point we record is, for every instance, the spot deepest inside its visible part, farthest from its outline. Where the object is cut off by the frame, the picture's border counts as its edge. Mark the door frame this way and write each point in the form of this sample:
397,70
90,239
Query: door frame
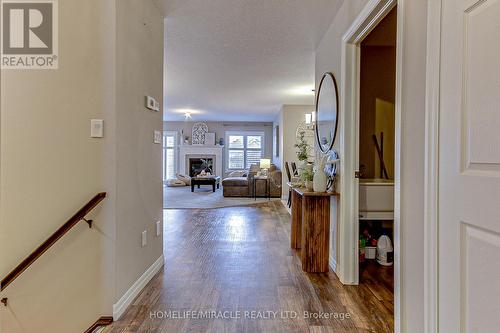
431,166
348,231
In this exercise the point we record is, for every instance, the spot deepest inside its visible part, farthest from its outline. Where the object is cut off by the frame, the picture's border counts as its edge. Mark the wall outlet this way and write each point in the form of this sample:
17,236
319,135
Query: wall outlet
96,128
158,228
144,240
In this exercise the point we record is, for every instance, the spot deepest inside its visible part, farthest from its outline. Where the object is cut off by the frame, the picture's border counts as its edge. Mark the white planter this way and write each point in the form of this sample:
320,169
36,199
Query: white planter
319,181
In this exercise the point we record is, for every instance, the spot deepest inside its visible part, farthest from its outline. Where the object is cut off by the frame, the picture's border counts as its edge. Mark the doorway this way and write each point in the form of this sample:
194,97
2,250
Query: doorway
376,157
354,40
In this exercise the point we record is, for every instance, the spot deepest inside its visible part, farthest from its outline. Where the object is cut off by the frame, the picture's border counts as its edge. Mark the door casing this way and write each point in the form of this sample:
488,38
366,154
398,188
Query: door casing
348,233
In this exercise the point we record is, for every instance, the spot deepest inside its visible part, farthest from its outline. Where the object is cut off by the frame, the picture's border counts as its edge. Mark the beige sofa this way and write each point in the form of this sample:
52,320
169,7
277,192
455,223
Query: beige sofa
243,186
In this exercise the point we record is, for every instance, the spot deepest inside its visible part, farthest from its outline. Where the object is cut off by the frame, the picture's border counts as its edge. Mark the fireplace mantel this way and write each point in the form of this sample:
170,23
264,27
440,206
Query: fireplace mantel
200,151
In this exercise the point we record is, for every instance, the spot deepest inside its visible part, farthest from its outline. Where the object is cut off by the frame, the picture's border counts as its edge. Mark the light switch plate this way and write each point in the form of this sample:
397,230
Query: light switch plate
152,104
144,238
96,128
158,228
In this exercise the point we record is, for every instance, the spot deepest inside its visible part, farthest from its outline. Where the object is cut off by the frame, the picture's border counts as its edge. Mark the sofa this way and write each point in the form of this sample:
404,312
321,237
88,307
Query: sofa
241,184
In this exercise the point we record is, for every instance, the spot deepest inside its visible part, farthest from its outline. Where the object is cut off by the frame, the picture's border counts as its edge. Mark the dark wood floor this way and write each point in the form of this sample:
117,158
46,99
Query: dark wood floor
238,259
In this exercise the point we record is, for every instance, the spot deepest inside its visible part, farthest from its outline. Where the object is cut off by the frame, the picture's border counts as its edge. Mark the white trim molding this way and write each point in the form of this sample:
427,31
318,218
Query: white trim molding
367,20
200,151
333,264
431,221
121,306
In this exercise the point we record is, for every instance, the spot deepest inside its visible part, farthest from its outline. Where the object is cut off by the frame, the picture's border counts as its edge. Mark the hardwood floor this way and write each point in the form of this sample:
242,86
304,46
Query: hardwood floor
239,260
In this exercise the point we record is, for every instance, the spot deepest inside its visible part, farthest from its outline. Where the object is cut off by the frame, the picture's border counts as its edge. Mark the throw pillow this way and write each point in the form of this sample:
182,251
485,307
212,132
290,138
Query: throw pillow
175,183
185,179
237,173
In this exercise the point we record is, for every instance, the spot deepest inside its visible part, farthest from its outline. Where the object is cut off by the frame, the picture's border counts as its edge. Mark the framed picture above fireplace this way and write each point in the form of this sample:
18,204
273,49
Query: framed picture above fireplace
198,133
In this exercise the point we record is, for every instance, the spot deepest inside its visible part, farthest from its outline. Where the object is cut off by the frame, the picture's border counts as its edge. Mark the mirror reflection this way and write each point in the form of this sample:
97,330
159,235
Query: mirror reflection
327,112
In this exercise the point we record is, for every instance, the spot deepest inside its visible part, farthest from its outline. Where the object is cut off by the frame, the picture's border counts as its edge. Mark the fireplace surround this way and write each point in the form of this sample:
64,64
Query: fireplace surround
187,152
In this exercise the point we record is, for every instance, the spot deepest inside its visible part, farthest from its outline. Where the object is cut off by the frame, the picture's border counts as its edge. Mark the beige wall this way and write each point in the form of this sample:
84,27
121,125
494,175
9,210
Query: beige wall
289,118
50,167
139,201
220,128
377,98
328,58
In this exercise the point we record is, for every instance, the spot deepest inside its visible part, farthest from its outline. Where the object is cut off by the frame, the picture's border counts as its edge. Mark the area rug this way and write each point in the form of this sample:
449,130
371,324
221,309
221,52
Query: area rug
182,197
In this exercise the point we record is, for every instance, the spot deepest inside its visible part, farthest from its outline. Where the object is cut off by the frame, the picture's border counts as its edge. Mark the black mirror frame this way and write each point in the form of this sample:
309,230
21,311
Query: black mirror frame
328,74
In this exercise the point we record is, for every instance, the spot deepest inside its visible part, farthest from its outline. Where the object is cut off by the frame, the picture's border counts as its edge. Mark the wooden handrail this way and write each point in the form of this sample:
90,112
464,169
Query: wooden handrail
79,216
103,321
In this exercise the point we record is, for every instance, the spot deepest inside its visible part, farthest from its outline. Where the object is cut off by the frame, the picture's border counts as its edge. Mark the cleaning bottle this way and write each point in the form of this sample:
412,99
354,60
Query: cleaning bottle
385,251
362,245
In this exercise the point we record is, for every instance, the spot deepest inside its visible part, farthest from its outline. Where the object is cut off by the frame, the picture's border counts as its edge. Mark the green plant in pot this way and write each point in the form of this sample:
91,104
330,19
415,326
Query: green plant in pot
307,176
302,149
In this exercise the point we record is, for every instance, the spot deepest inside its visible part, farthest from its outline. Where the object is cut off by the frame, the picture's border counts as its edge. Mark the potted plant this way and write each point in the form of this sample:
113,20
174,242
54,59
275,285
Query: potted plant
307,176
303,149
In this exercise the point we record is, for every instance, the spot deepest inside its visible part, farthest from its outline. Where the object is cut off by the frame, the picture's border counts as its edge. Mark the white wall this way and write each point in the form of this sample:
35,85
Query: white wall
50,167
220,129
412,165
328,59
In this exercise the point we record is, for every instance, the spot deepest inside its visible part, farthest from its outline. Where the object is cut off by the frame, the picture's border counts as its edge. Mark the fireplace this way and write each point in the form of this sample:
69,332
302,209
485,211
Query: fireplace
188,152
197,165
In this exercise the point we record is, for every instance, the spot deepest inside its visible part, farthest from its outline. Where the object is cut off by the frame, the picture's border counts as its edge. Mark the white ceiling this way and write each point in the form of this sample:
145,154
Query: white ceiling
240,60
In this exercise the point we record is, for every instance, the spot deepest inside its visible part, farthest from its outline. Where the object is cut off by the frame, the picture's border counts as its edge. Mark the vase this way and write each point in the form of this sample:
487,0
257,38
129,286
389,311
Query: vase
319,181
309,185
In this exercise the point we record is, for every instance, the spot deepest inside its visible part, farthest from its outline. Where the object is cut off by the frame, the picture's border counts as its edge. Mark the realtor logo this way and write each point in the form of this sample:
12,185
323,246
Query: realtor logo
29,34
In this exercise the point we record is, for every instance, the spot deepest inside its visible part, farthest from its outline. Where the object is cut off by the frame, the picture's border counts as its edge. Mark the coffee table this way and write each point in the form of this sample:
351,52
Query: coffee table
214,181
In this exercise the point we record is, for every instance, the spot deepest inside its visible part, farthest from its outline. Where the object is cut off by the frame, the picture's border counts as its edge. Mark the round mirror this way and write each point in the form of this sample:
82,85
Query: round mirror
327,110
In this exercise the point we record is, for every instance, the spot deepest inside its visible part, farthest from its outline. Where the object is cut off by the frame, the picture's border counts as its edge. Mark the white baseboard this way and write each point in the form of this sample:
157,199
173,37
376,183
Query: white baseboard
121,306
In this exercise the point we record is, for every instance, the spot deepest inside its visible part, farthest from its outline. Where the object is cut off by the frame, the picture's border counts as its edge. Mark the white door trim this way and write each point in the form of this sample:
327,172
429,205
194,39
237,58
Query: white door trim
370,16
431,203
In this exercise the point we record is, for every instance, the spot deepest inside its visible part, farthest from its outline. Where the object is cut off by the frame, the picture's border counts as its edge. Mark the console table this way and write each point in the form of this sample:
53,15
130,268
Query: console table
311,228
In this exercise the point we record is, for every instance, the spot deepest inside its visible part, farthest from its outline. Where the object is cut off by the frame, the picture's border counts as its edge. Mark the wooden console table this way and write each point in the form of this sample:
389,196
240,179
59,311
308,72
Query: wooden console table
311,228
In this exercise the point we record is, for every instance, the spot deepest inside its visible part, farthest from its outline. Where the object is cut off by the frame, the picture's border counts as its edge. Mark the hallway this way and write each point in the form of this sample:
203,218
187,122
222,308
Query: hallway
239,260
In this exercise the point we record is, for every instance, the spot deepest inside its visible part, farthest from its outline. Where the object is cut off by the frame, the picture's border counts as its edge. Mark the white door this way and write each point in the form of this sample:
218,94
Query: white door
469,167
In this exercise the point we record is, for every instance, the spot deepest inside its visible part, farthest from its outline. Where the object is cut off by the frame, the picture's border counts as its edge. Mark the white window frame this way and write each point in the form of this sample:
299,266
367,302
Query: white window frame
176,153
245,134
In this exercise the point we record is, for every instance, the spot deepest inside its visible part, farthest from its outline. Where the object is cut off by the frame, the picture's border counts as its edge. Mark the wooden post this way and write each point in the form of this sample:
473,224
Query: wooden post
296,231
315,233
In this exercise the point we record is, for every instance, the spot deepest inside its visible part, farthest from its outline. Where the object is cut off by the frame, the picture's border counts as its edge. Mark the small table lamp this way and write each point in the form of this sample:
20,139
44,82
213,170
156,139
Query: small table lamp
265,164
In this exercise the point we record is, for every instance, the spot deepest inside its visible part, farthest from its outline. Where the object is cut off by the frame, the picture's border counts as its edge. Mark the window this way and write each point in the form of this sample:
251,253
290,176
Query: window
169,155
244,149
